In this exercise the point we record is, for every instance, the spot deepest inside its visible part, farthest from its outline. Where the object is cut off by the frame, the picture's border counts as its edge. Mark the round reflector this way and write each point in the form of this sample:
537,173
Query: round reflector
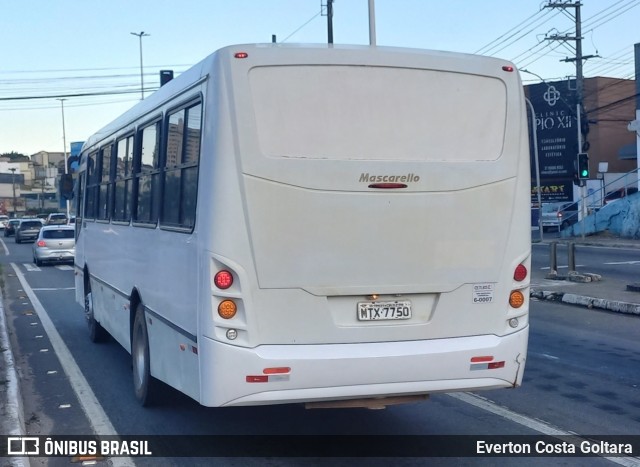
223,279
520,273
227,309
516,299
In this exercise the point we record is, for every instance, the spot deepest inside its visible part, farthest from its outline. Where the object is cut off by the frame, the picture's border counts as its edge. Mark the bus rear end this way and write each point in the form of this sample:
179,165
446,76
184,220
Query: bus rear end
383,242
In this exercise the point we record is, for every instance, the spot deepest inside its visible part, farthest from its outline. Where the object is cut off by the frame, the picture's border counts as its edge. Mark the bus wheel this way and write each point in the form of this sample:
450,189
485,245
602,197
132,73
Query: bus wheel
145,385
96,332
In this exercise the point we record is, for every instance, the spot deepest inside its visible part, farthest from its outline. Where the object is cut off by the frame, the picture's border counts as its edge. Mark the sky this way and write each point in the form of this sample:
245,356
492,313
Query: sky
66,49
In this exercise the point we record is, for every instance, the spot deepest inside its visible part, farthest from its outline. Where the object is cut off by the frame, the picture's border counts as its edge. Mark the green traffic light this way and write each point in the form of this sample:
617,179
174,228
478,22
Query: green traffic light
584,173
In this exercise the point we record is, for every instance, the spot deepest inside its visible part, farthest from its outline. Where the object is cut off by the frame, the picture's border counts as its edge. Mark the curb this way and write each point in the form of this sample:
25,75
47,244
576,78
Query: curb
589,302
14,420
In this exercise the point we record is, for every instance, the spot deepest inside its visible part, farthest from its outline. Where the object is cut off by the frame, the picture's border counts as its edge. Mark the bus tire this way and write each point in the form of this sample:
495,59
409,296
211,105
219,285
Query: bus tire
146,387
96,332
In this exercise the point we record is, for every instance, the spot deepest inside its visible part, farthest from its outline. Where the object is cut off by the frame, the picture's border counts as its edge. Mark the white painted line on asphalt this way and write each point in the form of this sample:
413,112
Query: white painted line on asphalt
624,262
544,355
4,247
533,424
52,289
93,410
31,267
563,267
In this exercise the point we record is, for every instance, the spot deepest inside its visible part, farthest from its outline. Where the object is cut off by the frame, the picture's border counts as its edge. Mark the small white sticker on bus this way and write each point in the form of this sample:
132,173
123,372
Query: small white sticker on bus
482,293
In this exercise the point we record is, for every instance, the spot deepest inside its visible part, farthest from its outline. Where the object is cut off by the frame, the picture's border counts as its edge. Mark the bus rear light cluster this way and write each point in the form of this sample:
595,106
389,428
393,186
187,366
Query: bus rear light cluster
516,297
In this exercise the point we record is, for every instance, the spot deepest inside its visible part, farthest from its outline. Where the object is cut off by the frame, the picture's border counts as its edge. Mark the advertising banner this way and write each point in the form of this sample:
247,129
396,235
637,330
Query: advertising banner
556,128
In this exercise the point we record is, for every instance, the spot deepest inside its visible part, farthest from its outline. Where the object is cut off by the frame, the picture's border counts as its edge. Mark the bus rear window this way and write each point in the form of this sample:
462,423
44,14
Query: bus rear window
377,113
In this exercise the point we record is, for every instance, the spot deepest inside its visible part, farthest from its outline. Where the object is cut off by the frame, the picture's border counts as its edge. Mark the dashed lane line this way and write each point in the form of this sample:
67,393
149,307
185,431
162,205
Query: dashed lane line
93,410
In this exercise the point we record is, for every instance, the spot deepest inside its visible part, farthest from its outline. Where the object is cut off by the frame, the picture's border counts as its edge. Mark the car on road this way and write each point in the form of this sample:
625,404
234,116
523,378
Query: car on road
27,229
55,243
3,221
56,218
10,227
559,215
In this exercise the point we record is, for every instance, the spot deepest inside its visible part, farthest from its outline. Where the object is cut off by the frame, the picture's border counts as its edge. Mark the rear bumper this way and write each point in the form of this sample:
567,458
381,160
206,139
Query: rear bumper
61,256
349,371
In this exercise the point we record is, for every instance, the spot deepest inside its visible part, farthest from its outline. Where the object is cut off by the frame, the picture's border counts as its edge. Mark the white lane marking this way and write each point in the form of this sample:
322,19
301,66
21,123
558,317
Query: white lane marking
52,289
533,424
562,267
545,355
31,267
624,262
93,410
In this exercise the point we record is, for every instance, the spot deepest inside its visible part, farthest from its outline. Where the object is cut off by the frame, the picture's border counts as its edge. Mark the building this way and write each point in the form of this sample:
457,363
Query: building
609,106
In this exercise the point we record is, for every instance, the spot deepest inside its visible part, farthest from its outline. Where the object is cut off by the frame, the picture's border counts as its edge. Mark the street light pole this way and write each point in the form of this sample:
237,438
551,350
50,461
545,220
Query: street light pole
537,161
13,184
140,35
64,142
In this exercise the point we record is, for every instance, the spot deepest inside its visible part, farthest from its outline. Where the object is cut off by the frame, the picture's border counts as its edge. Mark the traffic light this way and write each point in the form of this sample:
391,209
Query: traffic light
583,166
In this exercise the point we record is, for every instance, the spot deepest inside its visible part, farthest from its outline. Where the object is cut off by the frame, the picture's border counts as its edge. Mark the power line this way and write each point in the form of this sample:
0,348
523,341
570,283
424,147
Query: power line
303,25
86,94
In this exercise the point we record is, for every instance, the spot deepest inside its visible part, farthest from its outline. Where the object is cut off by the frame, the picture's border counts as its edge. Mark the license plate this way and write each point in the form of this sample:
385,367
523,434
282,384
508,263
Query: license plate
376,311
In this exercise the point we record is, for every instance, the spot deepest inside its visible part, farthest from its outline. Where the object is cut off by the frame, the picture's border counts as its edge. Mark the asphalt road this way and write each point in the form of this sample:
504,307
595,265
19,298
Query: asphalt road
581,377
610,262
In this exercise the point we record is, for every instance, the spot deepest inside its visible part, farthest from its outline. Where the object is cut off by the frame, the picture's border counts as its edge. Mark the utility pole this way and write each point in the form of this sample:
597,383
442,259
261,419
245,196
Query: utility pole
64,142
329,16
578,59
13,185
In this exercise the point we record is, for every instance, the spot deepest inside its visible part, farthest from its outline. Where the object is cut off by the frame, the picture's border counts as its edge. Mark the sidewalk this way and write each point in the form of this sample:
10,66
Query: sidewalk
606,294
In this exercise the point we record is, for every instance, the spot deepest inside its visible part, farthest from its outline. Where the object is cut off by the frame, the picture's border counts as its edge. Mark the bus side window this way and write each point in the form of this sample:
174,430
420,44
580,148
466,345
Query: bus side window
181,167
123,180
148,175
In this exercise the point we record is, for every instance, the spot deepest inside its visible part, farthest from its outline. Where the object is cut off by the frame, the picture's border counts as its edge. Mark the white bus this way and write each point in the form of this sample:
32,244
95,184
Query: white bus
286,224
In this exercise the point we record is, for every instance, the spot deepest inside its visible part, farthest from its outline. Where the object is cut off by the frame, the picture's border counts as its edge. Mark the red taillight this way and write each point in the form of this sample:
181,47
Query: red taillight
41,243
520,273
241,55
508,68
223,279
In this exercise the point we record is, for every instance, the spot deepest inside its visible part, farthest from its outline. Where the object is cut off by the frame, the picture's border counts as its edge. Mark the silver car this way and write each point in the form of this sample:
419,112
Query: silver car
55,243
27,229
559,215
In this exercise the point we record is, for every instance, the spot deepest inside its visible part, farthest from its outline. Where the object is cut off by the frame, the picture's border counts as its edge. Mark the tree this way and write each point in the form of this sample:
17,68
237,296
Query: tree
15,156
